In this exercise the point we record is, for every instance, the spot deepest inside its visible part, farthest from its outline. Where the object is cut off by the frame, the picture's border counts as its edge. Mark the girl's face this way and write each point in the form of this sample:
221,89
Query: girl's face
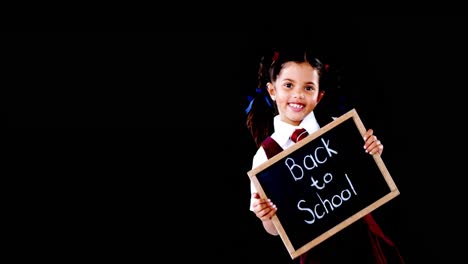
295,91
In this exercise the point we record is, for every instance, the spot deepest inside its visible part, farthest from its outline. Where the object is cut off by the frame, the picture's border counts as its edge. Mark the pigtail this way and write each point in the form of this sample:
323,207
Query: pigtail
261,109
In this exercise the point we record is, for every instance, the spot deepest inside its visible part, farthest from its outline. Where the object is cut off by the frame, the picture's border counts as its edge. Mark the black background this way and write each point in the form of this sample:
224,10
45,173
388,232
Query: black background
100,170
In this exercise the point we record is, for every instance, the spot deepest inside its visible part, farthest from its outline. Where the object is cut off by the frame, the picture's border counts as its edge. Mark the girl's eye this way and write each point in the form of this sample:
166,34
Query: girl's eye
288,85
309,88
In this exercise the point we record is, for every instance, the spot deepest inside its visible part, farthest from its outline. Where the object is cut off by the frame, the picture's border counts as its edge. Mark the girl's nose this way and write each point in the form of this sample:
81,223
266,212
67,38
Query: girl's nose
299,95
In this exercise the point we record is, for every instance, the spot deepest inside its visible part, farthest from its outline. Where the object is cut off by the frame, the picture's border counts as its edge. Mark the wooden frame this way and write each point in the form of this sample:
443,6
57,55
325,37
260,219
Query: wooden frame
392,193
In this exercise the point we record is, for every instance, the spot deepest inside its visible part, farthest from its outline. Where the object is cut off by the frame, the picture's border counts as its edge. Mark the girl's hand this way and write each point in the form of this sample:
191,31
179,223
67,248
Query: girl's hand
371,144
264,209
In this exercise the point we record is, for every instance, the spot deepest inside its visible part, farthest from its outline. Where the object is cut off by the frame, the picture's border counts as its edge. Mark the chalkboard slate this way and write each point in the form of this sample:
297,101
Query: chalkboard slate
323,184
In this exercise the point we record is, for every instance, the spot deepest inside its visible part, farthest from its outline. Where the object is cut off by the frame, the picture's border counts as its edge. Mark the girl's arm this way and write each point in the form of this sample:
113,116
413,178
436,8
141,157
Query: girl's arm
264,209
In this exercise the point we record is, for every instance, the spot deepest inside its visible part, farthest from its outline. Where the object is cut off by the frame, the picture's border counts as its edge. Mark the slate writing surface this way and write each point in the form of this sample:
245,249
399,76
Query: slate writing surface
324,181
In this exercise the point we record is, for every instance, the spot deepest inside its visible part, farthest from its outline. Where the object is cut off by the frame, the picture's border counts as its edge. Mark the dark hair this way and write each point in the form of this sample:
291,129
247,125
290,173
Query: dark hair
262,109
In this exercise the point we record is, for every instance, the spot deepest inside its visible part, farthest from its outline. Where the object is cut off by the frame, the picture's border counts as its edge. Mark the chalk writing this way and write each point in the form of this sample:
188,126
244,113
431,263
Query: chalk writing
310,161
321,206
332,204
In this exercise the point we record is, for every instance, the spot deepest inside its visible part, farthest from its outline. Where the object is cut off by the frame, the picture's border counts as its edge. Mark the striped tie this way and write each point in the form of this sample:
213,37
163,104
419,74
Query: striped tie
299,134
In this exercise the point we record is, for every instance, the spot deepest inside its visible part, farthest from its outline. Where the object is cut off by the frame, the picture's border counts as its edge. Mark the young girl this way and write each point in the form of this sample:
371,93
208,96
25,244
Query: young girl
289,91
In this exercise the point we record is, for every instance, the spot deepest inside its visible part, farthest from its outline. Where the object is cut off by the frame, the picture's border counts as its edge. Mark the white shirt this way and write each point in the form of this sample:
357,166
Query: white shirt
282,134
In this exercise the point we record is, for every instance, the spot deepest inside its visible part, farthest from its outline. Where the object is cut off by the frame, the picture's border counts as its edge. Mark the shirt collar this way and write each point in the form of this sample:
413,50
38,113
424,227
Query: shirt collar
284,130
